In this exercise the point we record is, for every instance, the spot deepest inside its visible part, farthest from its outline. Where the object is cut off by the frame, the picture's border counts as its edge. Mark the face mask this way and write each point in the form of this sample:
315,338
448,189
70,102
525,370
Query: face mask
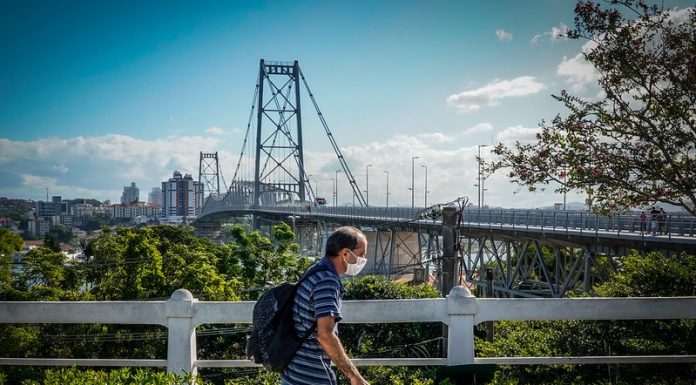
355,268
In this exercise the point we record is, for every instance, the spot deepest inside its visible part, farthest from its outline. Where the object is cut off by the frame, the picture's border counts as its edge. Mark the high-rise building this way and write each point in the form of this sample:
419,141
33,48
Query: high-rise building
155,196
181,196
131,194
54,207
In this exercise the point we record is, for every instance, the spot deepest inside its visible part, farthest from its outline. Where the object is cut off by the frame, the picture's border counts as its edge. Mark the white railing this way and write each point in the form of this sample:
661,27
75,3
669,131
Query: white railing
182,313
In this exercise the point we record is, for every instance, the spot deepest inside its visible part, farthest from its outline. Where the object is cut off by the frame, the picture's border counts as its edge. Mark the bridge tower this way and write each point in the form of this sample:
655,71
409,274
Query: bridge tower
209,174
278,107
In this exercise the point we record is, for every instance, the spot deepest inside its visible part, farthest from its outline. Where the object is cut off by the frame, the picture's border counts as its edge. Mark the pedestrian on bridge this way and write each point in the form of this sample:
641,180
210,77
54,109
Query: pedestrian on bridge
318,301
654,212
643,223
662,220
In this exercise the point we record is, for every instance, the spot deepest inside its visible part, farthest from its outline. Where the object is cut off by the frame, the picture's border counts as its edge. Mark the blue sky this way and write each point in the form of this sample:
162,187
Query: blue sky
96,95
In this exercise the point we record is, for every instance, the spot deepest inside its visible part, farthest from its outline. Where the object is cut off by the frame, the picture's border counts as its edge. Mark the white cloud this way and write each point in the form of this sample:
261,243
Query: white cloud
236,130
436,137
60,168
555,34
452,171
578,72
215,130
503,35
517,134
490,94
98,167
477,129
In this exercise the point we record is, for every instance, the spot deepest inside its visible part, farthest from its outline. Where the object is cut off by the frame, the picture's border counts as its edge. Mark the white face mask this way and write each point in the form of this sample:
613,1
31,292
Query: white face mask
354,269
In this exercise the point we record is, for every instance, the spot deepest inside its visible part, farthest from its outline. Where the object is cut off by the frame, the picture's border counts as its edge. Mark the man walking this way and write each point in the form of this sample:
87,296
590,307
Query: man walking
318,299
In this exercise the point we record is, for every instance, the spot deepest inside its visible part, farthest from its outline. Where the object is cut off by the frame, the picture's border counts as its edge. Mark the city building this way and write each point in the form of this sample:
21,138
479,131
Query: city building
55,207
155,196
38,227
80,210
134,210
181,196
131,194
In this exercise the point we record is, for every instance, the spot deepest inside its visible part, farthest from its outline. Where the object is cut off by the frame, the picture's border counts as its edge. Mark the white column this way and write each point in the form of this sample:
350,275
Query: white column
181,349
461,307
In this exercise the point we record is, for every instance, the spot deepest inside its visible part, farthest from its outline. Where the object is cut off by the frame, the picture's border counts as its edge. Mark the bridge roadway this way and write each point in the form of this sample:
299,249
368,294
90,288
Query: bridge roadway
561,228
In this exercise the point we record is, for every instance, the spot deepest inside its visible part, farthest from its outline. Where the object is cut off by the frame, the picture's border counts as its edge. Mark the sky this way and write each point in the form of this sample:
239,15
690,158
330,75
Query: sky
96,95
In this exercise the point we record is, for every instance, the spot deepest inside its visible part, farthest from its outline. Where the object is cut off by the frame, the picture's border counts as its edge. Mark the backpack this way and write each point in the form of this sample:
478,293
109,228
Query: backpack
274,340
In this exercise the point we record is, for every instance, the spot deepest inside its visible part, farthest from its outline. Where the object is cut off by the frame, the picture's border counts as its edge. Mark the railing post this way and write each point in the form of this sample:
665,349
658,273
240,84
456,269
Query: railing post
181,347
461,307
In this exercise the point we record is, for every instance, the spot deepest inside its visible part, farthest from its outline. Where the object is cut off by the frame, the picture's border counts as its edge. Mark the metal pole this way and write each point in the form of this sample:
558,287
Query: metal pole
333,191
425,200
479,174
489,294
367,185
565,175
413,190
387,172
336,188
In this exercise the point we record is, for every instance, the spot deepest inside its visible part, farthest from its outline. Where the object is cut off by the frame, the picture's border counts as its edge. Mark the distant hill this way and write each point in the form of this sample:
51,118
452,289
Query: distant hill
93,202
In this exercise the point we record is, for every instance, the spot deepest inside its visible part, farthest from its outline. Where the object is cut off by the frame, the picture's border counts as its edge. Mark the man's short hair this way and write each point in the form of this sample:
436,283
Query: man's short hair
343,237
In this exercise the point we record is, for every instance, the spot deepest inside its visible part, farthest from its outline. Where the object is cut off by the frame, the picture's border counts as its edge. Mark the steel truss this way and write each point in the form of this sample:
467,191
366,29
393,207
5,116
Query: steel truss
529,268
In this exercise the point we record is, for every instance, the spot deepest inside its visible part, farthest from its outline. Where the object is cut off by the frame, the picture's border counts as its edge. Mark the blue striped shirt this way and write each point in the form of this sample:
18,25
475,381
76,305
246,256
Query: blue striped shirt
318,296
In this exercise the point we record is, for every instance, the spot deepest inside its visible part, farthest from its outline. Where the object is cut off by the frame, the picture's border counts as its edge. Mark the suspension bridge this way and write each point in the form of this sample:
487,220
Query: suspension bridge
516,253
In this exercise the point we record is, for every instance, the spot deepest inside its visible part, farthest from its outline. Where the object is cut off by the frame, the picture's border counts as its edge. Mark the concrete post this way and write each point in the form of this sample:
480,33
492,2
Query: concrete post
181,348
461,307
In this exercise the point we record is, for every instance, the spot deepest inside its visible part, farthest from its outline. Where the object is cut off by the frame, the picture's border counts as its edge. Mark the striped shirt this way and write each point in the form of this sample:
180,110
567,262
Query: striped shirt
318,296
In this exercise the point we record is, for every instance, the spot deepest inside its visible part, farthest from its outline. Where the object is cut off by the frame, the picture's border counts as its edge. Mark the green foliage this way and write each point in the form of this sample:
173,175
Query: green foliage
633,146
258,377
391,340
95,222
61,234
125,376
396,375
261,263
9,244
651,275
141,263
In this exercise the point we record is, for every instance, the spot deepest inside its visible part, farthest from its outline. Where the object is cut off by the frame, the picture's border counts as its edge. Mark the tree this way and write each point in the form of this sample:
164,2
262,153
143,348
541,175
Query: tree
651,275
635,145
9,244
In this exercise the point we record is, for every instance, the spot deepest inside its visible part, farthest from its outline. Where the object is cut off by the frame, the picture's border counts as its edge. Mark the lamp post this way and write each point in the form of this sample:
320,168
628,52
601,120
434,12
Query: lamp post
425,201
333,190
413,190
387,172
367,185
479,174
336,189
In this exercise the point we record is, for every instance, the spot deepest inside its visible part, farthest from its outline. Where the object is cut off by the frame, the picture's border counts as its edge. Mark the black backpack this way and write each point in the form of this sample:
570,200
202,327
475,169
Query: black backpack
274,341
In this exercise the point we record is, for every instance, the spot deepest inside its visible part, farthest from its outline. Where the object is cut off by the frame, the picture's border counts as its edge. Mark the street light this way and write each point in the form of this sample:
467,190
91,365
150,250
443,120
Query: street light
425,204
335,194
387,172
479,174
310,184
367,185
413,191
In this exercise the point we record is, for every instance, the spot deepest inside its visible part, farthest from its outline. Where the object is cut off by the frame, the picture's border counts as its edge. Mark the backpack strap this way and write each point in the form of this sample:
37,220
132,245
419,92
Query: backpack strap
311,271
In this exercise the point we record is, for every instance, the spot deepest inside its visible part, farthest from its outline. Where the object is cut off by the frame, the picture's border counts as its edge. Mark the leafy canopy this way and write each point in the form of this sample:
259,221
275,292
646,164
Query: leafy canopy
636,144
